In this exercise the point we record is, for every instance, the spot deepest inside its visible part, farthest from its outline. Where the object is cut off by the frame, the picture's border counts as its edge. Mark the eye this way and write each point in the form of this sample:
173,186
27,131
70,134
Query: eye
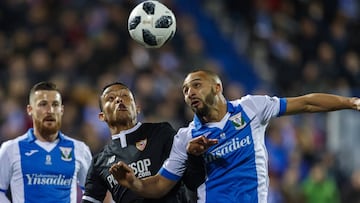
197,85
43,103
125,95
110,98
185,90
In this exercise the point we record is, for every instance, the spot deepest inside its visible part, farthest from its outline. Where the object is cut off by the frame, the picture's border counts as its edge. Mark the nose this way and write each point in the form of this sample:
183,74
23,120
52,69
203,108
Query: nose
119,100
191,92
50,109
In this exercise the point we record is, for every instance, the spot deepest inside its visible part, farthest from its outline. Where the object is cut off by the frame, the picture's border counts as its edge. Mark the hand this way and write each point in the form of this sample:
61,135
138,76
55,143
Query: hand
199,145
123,174
357,103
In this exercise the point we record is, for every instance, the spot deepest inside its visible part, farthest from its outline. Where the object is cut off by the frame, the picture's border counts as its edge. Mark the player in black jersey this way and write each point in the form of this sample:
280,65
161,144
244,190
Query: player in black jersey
143,146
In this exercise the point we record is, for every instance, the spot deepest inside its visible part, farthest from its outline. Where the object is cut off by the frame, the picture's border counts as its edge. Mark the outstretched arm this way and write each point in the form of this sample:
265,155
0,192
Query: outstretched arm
151,187
319,102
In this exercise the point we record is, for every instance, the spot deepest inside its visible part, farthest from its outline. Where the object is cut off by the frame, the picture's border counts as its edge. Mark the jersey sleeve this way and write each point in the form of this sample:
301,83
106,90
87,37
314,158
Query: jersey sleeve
168,133
5,169
174,167
84,157
95,188
265,107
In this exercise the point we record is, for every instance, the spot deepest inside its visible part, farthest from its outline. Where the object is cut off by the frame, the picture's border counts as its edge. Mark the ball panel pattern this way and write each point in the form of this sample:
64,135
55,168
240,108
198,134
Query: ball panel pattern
134,22
149,38
164,22
149,8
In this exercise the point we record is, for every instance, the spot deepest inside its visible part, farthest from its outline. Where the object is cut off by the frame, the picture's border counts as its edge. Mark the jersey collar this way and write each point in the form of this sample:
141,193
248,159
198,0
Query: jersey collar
197,122
124,132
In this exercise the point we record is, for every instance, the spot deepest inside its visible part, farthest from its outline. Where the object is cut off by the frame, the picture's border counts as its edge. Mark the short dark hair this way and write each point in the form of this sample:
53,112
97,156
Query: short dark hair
44,85
107,86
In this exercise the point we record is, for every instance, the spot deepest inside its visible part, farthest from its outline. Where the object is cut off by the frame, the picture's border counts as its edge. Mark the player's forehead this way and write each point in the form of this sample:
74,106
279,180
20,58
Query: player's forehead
46,95
116,88
195,76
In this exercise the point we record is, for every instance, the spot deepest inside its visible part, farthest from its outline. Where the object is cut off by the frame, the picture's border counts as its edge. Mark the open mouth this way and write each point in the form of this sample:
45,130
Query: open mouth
121,107
49,119
195,103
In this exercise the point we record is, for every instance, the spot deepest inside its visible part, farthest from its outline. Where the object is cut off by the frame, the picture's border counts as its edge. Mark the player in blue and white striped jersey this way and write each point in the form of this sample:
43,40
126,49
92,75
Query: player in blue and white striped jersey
230,137
43,165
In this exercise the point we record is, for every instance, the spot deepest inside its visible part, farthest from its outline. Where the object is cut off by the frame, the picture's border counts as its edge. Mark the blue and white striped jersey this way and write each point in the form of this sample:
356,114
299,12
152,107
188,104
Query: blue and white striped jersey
43,172
237,167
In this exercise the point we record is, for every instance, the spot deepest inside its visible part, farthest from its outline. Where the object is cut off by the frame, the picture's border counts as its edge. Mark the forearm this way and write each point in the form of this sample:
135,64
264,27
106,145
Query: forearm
152,187
319,102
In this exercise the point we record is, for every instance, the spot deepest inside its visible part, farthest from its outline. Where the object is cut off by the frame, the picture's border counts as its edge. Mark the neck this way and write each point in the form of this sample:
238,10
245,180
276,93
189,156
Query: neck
45,137
216,113
116,129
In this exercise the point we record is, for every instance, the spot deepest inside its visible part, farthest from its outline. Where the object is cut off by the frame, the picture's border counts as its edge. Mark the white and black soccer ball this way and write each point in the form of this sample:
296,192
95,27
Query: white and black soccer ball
151,24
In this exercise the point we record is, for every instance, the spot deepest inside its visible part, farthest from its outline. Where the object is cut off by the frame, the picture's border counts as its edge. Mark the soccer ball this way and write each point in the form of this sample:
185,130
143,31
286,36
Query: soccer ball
151,24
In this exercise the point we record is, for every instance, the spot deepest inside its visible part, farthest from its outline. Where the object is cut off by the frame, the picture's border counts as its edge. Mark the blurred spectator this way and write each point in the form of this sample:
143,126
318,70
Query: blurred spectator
319,187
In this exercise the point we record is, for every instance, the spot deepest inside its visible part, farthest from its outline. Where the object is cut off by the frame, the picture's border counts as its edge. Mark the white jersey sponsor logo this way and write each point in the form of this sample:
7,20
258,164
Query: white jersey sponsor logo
228,147
44,179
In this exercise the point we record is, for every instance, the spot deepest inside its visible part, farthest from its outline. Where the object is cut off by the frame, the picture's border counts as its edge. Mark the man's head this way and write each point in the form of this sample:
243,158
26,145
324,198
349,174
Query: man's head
46,109
117,106
202,90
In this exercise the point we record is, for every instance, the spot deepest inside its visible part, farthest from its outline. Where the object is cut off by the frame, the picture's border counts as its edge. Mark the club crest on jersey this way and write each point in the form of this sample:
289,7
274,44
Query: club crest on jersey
238,121
140,145
66,153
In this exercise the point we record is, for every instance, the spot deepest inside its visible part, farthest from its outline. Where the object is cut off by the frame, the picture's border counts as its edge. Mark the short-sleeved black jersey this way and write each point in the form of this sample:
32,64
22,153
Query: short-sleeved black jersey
144,148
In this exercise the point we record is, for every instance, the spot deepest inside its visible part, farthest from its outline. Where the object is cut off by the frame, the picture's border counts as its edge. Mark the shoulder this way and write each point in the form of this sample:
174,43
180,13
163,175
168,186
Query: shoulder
10,148
184,133
157,125
75,141
79,146
161,128
255,101
13,142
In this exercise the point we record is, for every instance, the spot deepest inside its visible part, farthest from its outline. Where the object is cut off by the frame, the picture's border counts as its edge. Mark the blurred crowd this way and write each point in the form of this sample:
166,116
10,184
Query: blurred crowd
294,46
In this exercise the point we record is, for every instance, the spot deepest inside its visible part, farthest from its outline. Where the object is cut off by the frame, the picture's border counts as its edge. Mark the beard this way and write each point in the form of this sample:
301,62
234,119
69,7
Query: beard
205,110
123,119
46,130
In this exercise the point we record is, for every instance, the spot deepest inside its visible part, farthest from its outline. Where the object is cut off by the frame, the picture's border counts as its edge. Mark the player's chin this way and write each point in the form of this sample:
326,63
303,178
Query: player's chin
48,130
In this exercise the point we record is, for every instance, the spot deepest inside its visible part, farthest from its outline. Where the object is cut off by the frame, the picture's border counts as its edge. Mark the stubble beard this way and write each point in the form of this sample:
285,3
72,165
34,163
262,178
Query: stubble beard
46,131
207,103
120,120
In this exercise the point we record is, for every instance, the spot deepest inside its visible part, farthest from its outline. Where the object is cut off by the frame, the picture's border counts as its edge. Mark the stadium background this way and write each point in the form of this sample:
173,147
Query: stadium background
275,47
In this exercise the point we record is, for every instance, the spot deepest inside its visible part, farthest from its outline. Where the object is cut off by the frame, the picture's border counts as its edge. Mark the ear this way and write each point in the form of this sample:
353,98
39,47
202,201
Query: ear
102,117
29,110
138,109
218,88
62,109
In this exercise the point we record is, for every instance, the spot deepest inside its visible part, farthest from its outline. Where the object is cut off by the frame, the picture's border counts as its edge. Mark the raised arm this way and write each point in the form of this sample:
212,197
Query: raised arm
151,187
320,102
